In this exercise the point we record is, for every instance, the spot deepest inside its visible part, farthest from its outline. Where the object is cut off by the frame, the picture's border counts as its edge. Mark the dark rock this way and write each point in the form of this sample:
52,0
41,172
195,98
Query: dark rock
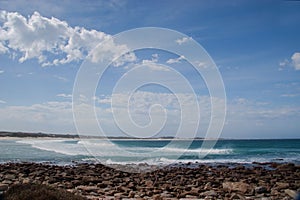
260,190
3,187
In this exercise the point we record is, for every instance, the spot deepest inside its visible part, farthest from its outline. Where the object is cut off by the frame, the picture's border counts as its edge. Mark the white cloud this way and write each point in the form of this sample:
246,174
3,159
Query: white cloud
284,63
64,95
152,65
175,60
46,117
50,40
1,71
57,117
140,107
183,40
296,60
61,78
127,57
2,102
246,110
289,95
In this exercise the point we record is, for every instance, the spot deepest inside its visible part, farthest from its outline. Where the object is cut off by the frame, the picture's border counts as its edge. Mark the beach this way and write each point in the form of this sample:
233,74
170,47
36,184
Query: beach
150,169
179,181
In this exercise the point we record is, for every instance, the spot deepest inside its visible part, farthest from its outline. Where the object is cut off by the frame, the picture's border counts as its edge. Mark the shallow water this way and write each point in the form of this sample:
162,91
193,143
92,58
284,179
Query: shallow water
148,151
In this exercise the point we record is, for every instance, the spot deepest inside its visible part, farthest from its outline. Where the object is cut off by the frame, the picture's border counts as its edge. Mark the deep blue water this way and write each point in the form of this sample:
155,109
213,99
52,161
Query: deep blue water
148,151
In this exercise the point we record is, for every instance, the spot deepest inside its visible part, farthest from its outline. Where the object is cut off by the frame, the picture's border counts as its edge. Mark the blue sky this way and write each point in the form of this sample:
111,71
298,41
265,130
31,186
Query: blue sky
255,45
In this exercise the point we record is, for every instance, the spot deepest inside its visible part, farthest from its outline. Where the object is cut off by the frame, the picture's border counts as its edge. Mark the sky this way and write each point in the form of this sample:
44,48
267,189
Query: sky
255,46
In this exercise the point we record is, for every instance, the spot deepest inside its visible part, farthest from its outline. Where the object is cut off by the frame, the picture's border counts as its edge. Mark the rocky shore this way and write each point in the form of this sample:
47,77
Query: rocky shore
95,181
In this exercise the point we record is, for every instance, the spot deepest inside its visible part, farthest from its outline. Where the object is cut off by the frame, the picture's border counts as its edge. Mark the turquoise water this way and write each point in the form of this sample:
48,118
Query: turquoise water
148,151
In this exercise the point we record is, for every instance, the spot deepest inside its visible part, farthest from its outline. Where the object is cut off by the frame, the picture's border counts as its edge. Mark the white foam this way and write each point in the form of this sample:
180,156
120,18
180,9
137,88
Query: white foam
57,146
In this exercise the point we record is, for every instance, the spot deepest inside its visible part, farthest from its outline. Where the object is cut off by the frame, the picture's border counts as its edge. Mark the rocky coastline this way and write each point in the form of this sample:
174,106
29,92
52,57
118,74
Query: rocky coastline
263,181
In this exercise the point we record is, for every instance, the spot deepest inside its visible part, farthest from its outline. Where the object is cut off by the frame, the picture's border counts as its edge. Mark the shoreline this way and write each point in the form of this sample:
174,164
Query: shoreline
96,181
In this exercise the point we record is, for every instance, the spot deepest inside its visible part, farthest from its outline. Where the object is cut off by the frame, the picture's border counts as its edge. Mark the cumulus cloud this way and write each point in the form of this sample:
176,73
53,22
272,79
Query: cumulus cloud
183,40
50,40
296,60
151,64
175,60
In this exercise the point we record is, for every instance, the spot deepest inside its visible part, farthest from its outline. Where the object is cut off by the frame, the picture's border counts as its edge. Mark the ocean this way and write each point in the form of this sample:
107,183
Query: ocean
152,152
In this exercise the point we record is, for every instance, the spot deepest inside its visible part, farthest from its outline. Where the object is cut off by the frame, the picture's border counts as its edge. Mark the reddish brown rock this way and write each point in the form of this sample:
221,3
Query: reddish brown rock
236,186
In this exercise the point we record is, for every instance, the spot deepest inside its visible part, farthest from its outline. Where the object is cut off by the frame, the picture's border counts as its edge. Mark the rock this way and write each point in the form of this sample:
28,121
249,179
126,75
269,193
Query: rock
157,197
281,185
291,193
10,177
119,195
3,187
131,194
26,180
236,186
191,197
237,196
8,182
210,193
274,192
165,195
207,186
149,183
260,190
87,188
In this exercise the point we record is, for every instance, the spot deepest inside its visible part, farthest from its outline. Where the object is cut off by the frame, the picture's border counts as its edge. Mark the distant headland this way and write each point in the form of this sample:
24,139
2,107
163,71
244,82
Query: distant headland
35,135
74,136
